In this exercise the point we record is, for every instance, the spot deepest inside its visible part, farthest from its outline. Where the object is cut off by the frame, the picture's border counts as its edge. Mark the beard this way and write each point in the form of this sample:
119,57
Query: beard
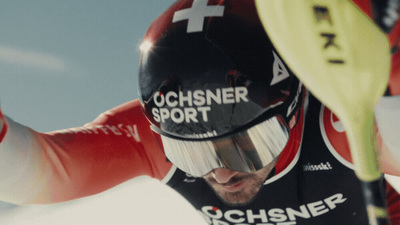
252,185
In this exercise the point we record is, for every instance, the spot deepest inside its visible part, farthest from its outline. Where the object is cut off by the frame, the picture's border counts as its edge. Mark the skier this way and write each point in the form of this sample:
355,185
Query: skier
222,120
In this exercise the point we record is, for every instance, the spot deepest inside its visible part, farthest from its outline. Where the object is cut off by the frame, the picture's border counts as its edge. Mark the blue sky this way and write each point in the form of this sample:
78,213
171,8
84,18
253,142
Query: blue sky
62,63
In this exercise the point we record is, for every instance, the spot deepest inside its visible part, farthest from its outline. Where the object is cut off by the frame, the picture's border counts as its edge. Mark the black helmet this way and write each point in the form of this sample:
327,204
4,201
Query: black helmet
209,75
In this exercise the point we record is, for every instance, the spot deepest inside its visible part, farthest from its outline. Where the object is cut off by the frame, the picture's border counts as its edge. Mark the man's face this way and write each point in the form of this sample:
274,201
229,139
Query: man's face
237,188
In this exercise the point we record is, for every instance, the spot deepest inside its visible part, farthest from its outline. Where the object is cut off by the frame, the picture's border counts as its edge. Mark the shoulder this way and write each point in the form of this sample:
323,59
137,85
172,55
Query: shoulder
394,39
394,79
126,113
333,135
129,117
129,109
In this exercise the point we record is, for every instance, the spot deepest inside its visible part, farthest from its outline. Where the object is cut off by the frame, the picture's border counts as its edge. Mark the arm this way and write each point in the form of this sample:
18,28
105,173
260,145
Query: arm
68,164
387,114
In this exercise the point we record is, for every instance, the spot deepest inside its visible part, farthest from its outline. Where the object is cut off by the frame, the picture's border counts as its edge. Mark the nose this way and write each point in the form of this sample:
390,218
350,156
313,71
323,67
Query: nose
223,175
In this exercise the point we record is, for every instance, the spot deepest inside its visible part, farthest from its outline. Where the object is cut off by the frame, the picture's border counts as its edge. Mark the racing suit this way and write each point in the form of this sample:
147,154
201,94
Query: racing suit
313,183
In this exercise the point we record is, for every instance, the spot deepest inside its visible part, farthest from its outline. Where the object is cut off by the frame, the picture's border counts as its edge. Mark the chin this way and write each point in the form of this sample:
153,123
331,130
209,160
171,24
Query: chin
239,198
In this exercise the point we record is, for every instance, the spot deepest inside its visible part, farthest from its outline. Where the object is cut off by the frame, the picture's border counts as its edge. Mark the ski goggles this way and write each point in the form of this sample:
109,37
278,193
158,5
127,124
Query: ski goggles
246,151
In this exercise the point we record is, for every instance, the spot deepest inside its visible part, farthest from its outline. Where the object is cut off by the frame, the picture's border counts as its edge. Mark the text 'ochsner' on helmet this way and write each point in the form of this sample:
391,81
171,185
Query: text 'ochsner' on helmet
194,105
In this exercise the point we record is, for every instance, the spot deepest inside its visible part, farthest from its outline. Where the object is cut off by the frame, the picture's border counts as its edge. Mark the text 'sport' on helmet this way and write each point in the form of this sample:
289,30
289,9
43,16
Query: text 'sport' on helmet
214,87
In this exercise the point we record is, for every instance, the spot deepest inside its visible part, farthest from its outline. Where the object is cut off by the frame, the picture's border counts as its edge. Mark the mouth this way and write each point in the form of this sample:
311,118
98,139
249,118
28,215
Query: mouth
234,187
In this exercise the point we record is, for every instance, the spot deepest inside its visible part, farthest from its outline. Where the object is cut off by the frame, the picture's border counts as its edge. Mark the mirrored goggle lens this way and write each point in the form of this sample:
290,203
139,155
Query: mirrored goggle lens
245,151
